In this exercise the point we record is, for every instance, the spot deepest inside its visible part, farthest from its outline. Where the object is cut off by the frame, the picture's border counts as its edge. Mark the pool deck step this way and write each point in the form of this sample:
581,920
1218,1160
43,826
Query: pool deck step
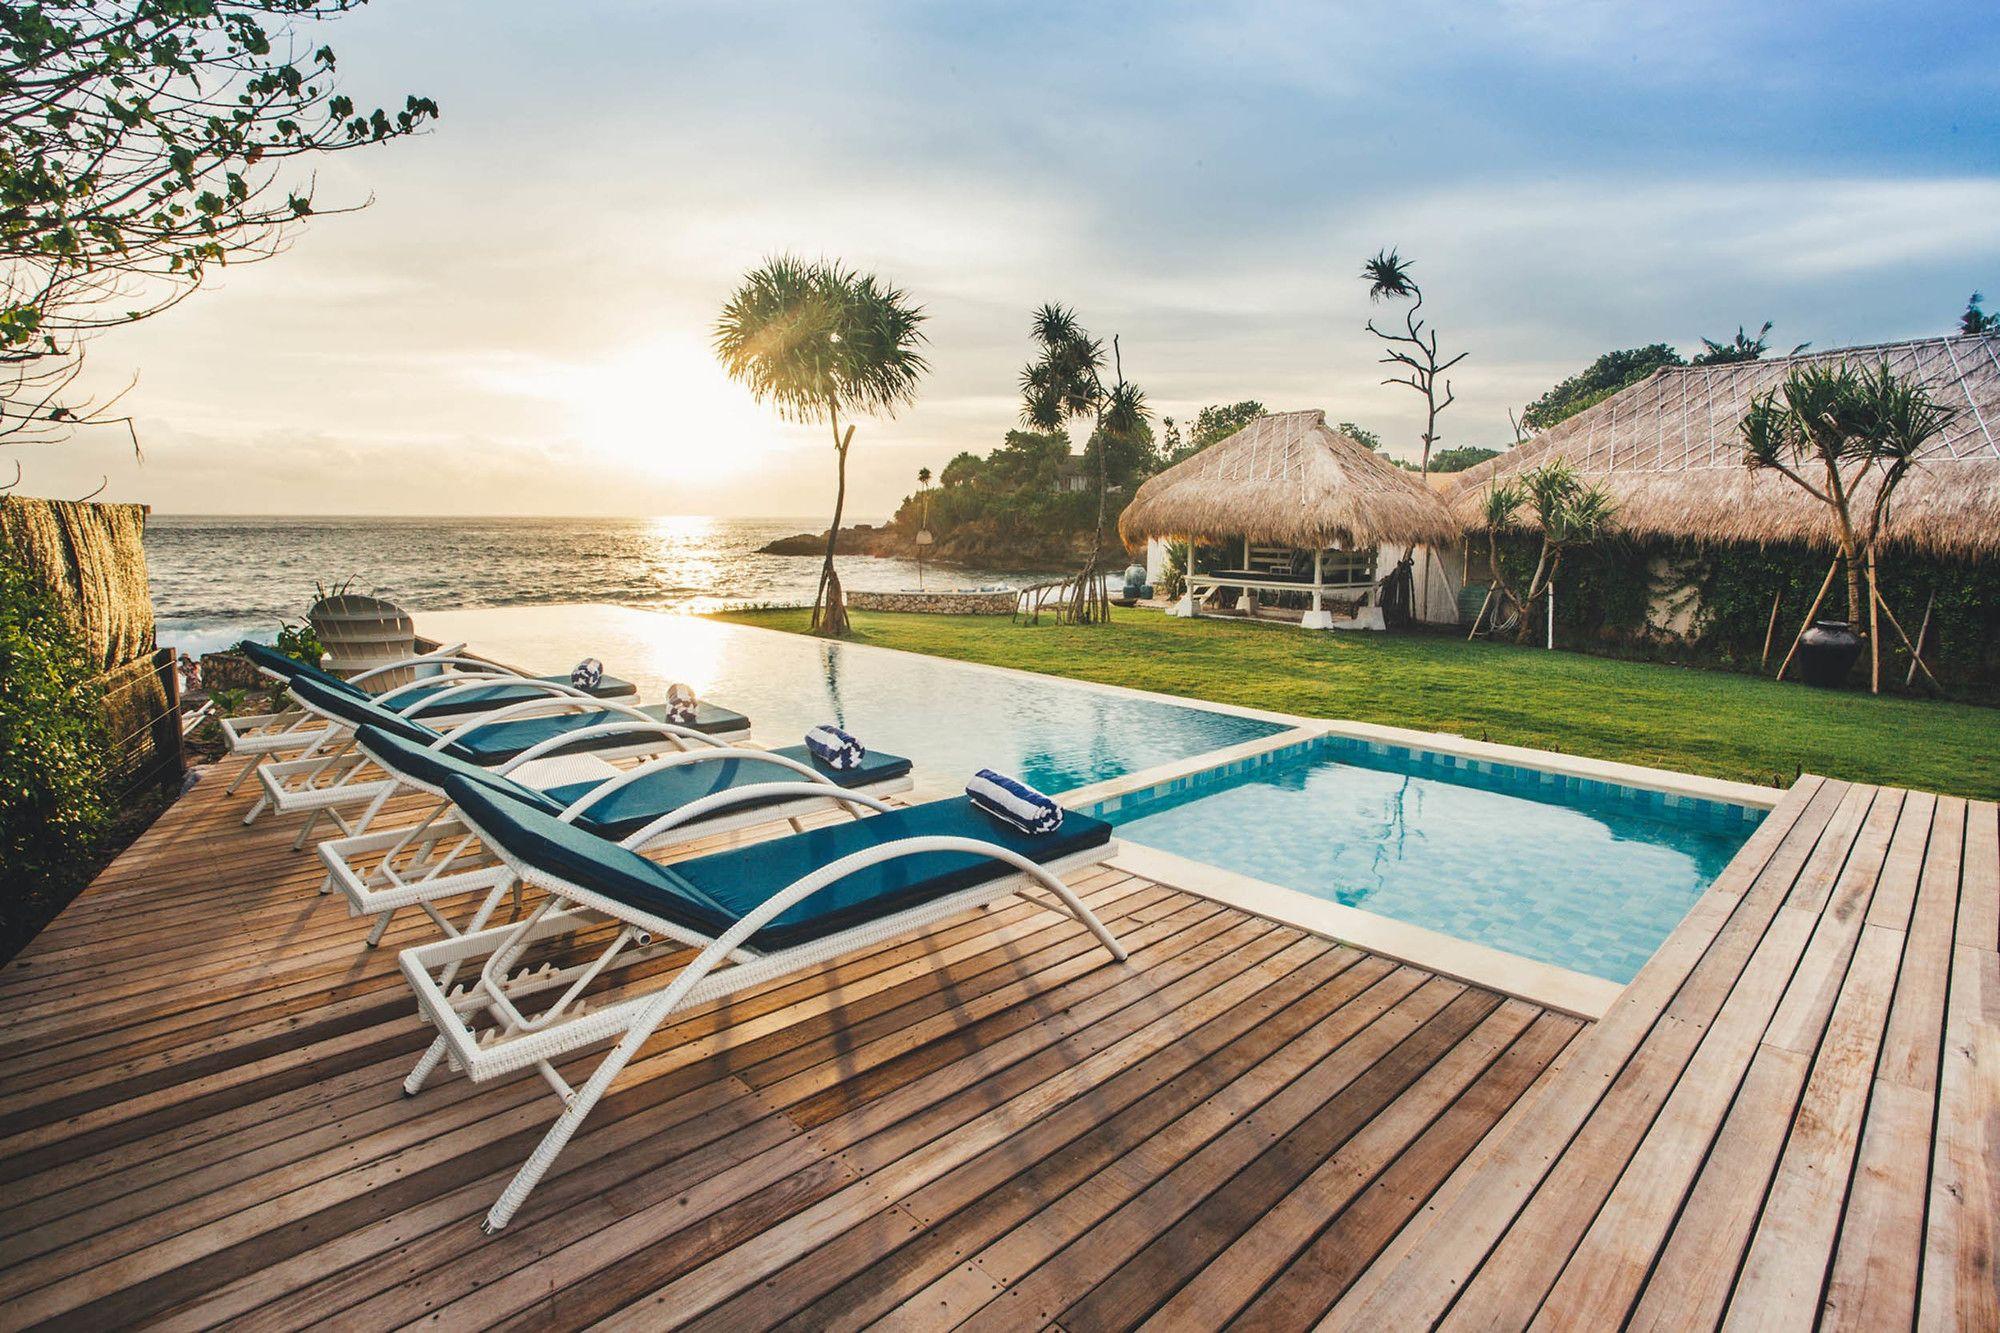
1787,1117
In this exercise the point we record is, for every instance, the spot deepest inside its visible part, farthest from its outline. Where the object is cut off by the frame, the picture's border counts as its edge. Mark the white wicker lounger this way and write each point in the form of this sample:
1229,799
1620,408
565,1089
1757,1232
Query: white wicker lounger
260,735
484,1032
441,857
341,777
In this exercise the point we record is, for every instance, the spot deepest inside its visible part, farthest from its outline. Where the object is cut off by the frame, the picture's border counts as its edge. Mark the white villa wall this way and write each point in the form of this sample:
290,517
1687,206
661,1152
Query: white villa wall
1436,577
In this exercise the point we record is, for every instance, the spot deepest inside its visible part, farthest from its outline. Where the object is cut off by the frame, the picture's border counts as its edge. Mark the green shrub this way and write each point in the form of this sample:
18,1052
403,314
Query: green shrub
300,643
55,758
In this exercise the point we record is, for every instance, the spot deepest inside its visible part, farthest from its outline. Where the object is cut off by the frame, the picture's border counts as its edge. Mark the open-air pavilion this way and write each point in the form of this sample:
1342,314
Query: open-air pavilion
1288,509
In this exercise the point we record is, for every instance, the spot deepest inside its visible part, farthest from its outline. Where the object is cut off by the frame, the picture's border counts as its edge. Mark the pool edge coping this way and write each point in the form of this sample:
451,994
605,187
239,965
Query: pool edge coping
1577,994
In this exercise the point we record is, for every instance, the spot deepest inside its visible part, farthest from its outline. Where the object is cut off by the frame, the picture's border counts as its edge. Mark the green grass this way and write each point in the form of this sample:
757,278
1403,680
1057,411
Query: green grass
1729,726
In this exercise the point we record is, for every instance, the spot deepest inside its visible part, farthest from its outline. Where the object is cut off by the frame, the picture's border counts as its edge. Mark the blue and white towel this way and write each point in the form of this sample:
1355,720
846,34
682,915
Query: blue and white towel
834,747
682,705
586,674
1014,802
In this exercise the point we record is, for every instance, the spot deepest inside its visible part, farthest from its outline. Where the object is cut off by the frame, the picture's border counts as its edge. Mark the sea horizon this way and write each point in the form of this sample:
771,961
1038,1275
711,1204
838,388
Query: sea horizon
219,578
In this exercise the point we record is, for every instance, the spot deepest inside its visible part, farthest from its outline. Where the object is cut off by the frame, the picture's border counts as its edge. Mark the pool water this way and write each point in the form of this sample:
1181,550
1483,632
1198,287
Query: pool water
951,719
1588,876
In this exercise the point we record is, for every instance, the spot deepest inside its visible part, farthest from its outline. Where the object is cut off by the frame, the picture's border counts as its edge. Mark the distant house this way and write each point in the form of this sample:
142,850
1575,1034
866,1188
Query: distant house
1669,451
1072,475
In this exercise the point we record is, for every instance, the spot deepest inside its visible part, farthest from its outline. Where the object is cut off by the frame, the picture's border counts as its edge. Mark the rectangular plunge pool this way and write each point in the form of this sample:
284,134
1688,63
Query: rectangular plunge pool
1585,875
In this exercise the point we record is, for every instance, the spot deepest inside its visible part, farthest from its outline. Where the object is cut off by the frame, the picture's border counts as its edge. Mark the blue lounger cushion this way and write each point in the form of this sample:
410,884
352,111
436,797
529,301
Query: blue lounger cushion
710,893
417,762
498,742
472,701
640,802
632,806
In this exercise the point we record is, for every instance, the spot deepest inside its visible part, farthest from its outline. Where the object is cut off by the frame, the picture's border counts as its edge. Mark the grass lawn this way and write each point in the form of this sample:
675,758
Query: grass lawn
1730,726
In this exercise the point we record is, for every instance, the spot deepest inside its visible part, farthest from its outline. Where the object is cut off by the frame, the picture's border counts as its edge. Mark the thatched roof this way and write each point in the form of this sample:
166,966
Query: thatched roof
1288,478
1668,451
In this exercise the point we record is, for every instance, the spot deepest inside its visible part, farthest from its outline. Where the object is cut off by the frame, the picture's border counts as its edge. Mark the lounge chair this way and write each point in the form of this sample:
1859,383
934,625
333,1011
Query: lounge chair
295,729
767,909
329,779
671,799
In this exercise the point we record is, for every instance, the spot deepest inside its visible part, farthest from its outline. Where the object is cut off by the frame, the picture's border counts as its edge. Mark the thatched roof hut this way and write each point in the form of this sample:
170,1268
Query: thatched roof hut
1292,479
1667,449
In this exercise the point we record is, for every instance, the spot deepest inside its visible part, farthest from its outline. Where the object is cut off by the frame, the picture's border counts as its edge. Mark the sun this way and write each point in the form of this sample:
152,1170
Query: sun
665,410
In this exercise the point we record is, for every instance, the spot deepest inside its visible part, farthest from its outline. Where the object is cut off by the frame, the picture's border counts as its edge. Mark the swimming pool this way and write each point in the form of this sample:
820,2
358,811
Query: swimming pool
1585,875
950,718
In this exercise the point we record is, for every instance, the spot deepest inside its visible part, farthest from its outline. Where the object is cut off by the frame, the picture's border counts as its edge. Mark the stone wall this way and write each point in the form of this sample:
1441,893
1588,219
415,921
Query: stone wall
936,603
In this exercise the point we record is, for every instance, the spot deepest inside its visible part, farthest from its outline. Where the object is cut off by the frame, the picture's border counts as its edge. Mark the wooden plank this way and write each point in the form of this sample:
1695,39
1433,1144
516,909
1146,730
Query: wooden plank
1319,1275
1417,1276
1960,1288
871,1268
1979,904
1786,1268
1880,1251
1220,1279
1602,1273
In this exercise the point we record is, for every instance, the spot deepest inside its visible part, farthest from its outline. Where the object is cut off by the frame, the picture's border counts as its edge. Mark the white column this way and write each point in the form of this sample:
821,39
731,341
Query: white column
1317,618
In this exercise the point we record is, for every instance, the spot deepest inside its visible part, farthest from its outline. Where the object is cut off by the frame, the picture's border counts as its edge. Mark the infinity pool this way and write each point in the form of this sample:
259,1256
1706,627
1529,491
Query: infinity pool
950,718
1589,876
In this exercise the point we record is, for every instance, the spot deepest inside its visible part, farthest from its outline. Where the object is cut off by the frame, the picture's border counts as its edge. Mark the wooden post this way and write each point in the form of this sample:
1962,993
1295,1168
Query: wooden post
1923,631
1770,630
1318,551
1806,624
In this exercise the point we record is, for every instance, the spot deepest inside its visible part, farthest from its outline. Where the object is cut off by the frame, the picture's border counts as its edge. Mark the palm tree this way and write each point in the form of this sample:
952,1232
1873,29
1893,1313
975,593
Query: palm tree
817,340
1065,381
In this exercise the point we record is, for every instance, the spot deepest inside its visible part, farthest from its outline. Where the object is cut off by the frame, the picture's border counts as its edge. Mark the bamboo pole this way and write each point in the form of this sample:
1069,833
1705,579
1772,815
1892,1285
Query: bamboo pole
1806,624
1473,633
1915,657
1874,629
1923,632
1770,630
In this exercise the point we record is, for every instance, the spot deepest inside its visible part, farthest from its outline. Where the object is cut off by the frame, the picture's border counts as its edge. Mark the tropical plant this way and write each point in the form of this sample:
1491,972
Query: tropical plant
1596,382
143,142
1847,438
1743,347
1569,514
1975,321
1415,349
1065,381
55,757
300,642
819,341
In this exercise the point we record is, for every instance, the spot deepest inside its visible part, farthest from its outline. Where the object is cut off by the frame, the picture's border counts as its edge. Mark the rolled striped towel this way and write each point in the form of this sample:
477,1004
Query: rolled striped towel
586,674
1014,802
834,747
682,705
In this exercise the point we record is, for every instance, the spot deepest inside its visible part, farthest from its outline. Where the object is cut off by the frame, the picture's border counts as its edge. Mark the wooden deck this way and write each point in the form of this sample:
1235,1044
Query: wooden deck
1795,1110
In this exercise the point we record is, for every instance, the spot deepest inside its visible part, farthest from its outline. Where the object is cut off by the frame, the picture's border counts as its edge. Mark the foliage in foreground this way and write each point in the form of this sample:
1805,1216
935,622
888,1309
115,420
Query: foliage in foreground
1740,727
54,756
143,142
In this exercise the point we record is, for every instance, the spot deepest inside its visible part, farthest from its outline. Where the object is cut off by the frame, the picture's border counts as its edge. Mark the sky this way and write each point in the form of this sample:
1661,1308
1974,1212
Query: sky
518,322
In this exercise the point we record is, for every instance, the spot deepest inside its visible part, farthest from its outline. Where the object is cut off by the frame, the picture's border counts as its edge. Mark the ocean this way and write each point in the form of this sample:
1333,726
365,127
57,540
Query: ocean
217,579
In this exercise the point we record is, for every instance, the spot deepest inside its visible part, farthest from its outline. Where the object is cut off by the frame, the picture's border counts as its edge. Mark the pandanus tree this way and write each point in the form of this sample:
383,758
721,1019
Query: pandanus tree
1066,382
1569,514
1415,349
1847,438
821,342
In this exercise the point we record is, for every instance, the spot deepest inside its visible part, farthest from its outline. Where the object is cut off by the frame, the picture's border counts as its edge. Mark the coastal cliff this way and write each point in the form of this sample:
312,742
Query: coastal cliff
978,544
